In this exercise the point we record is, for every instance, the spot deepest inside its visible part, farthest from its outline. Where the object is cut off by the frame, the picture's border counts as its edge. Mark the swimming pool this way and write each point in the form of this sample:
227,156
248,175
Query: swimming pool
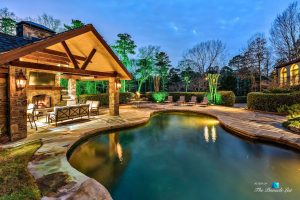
187,156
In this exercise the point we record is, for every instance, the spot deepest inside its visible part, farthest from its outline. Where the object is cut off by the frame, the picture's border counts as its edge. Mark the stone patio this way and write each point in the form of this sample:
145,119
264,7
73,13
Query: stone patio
58,180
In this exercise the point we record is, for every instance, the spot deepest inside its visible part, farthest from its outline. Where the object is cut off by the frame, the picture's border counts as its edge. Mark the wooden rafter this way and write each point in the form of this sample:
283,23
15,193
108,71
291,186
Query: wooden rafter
70,55
48,59
60,54
88,60
61,69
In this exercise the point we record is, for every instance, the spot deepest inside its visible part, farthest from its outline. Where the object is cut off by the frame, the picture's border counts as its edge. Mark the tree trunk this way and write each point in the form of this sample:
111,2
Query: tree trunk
156,83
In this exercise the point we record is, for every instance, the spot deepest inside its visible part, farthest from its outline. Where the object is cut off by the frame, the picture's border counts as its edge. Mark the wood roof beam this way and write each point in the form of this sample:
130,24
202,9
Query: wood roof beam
60,54
70,55
66,70
88,60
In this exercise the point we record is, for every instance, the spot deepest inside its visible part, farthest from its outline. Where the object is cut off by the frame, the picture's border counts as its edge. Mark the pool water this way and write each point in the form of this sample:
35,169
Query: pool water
187,156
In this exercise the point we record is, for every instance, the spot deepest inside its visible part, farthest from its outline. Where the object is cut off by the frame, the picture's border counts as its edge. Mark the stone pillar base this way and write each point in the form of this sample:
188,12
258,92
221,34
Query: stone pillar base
113,97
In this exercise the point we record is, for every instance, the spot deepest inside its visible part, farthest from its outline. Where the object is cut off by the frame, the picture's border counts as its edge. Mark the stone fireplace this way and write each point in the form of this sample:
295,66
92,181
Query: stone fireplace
43,95
42,101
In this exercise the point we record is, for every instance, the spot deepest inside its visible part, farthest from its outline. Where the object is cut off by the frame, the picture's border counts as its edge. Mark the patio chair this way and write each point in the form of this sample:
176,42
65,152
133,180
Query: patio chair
193,101
169,100
181,100
94,106
204,103
31,114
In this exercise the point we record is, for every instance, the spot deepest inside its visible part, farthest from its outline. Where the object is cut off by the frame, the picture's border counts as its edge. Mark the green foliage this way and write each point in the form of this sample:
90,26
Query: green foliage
293,124
64,83
16,181
74,24
125,97
270,102
186,77
225,98
277,90
124,47
213,85
228,80
90,87
241,99
7,21
7,25
228,98
294,111
283,109
159,96
162,63
145,64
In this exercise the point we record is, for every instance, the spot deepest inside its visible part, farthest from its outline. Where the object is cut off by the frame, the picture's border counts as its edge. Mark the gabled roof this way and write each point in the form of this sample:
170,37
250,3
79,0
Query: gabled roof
9,42
36,25
81,42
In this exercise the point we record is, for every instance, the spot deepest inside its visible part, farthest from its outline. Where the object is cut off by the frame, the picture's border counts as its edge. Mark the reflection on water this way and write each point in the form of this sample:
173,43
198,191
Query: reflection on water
210,133
115,148
185,156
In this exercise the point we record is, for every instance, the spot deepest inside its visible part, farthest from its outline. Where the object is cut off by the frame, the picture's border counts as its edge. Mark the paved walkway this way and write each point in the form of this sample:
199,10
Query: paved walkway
58,180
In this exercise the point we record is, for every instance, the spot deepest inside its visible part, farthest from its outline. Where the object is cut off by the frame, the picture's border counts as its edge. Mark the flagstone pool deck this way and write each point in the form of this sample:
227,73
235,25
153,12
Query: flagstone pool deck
57,179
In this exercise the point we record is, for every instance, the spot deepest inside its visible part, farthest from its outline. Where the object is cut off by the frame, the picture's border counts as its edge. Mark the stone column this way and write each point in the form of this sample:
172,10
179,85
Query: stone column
4,129
72,88
288,74
113,97
17,107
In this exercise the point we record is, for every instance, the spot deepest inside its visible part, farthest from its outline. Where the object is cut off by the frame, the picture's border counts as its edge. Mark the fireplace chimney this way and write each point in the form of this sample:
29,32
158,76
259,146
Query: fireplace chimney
32,30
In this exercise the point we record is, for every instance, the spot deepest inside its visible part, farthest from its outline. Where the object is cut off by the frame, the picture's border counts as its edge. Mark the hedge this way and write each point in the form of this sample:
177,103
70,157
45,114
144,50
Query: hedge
241,99
271,101
228,97
103,98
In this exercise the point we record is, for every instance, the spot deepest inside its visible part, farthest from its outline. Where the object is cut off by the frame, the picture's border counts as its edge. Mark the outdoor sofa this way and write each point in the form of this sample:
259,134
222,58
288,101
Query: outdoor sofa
63,113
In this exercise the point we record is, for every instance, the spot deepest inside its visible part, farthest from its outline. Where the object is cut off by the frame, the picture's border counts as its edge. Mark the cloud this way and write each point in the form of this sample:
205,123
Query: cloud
229,21
194,32
174,27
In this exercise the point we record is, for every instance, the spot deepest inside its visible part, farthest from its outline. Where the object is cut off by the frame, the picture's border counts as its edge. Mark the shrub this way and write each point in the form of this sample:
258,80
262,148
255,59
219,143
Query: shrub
292,124
227,97
103,98
271,102
293,111
241,99
277,90
159,96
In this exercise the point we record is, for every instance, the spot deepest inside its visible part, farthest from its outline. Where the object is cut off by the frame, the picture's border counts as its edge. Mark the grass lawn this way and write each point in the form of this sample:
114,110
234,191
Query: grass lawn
15,180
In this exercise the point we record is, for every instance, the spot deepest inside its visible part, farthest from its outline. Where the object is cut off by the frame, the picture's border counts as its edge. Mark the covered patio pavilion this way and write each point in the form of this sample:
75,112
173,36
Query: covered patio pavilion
79,54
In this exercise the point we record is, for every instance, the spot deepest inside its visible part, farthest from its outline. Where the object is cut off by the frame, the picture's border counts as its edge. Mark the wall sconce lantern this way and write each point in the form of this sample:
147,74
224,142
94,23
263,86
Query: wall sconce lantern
21,81
118,84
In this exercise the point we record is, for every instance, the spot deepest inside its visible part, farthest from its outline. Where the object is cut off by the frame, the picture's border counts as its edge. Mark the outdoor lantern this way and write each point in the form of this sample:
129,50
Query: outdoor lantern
118,84
21,81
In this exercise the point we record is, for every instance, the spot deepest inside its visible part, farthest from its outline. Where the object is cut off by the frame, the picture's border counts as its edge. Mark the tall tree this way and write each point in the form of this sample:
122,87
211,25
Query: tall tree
162,65
7,21
48,21
285,34
124,47
227,79
186,77
145,64
257,54
74,24
174,80
205,55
